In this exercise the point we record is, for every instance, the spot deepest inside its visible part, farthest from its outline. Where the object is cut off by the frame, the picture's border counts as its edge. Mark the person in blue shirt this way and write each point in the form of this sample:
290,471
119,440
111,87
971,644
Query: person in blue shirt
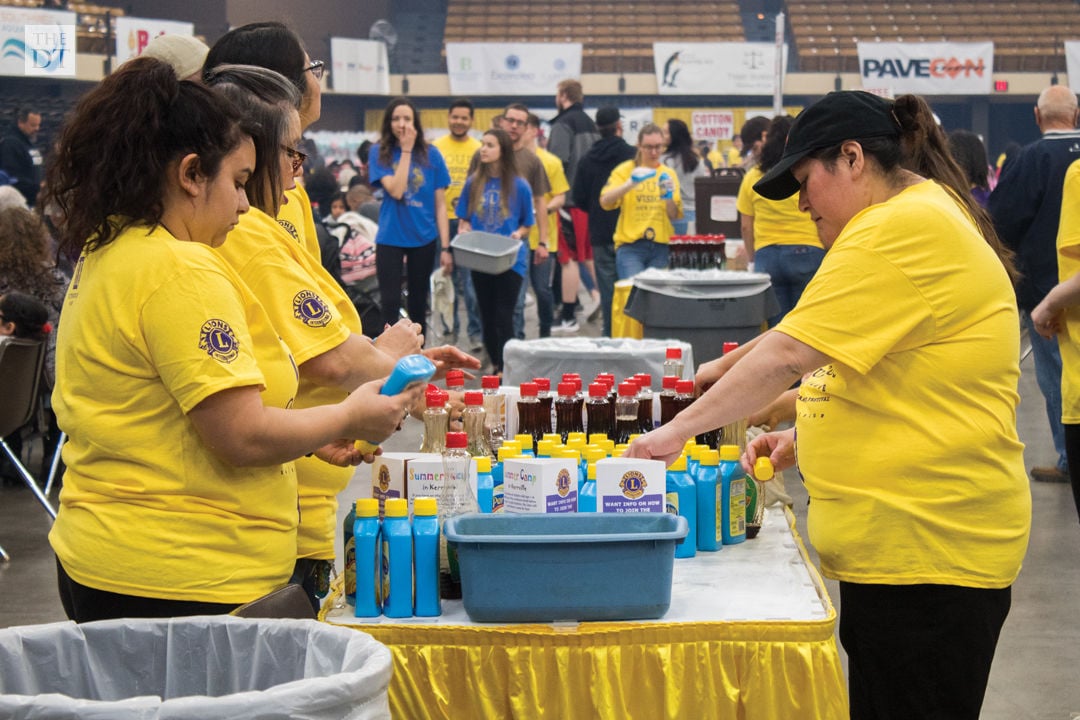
412,217
495,199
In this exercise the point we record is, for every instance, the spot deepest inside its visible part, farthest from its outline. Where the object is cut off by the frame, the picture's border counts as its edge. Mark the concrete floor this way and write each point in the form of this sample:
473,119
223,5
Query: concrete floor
1035,674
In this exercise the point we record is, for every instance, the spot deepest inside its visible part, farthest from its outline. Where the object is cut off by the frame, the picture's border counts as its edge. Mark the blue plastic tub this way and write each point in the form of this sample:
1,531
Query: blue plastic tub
567,566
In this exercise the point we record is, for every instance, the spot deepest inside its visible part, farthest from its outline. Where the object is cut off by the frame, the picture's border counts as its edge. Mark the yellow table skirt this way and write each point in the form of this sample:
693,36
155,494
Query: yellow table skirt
776,670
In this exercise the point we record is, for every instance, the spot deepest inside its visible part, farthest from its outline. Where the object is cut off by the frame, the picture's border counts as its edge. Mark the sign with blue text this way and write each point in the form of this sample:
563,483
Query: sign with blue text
514,69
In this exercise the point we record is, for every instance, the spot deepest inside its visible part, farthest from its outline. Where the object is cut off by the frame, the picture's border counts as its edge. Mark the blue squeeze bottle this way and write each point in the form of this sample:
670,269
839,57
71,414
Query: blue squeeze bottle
349,574
733,496
682,500
397,556
365,536
708,502
485,484
409,370
586,501
425,532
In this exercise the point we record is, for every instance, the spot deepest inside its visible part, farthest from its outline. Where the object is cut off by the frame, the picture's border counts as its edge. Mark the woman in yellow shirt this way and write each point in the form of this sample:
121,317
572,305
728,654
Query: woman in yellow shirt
647,195
906,416
172,384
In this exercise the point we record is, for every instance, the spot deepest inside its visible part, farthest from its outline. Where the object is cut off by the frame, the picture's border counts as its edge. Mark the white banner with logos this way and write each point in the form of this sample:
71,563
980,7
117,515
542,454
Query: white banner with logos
1072,63
359,66
134,34
928,68
37,42
514,69
690,68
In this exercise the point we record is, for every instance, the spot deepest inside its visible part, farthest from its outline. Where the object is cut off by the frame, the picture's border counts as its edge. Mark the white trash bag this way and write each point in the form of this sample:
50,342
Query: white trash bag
193,668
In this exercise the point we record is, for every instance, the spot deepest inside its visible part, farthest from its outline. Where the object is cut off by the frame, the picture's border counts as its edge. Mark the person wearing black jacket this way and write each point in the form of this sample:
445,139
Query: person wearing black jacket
17,155
592,175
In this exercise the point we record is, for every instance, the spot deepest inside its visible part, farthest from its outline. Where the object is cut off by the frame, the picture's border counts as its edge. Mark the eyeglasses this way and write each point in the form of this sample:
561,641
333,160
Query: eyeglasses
296,157
652,148
317,68
514,121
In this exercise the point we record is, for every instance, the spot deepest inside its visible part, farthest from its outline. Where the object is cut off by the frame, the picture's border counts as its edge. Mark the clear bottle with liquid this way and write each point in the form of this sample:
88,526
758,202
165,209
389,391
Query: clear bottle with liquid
567,411
667,399
547,400
472,419
755,495
456,498
531,415
436,421
645,402
734,433
599,413
673,362
626,412
684,396
494,412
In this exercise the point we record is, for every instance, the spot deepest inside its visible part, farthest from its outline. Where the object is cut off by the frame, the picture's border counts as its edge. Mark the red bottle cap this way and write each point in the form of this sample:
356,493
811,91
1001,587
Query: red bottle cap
528,389
685,387
598,389
457,440
669,382
567,377
437,398
628,389
474,397
490,382
674,353
455,378
567,389
729,346
542,384
644,380
606,377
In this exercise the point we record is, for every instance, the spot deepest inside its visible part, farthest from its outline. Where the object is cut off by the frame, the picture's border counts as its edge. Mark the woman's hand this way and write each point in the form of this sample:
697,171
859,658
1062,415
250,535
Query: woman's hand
375,417
660,444
446,261
779,447
344,453
400,339
407,139
1047,322
449,357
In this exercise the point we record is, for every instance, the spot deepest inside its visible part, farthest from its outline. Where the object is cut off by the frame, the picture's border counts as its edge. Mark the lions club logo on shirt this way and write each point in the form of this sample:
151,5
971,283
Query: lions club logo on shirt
310,309
633,484
289,228
219,341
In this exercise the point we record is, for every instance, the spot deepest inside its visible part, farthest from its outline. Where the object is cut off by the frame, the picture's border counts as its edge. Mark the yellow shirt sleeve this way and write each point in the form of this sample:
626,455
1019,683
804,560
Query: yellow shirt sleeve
297,218
1068,244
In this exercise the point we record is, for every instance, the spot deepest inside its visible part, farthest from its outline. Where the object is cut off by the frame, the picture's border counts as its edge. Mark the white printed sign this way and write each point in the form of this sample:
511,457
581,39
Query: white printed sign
37,42
514,69
359,66
928,68
134,34
690,68
712,125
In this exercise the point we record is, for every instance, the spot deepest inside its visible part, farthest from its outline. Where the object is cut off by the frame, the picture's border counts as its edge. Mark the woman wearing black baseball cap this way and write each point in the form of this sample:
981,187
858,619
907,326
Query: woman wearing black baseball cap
906,345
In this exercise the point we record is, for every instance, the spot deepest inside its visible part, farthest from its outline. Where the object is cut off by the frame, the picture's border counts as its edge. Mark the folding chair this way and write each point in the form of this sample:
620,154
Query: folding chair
20,373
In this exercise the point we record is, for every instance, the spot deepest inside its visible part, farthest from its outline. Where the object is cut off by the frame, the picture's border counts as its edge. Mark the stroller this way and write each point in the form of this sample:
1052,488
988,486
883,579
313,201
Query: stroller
356,246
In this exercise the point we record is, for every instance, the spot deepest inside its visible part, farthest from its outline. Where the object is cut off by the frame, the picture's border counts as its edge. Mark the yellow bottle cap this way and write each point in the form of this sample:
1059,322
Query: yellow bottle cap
425,506
483,465
597,438
679,465
609,447
633,437
578,443
620,449
575,436
594,453
544,447
710,457
524,440
553,437
567,453
763,469
508,452
397,507
695,450
729,452
367,507
689,445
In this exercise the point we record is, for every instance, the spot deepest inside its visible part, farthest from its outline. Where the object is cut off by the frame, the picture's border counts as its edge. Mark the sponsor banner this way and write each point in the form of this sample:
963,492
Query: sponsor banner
514,69
928,68
359,66
134,34
715,68
1072,63
37,42
712,125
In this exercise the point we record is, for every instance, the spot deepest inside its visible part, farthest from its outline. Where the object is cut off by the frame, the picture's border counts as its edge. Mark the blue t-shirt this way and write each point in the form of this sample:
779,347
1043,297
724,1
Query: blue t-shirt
488,217
410,221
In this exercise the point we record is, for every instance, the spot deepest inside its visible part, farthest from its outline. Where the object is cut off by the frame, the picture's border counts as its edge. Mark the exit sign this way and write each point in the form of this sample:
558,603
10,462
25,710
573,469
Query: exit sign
1001,86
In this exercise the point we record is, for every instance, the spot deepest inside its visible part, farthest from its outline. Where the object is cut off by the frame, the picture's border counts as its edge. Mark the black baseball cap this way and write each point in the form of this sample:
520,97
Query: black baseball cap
607,115
836,118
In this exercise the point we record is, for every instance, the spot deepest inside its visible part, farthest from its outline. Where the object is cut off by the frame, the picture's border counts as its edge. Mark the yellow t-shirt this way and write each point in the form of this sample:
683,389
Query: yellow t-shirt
907,441
557,180
1068,244
298,219
776,222
734,157
457,154
642,213
716,158
152,327
313,315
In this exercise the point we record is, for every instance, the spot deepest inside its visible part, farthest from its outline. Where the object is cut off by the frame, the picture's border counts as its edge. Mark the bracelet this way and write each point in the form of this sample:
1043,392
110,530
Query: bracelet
540,244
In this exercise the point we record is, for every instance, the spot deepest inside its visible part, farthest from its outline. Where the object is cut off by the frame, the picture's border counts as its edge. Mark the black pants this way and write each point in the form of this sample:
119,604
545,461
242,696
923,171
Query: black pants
1072,453
496,296
919,651
416,264
85,604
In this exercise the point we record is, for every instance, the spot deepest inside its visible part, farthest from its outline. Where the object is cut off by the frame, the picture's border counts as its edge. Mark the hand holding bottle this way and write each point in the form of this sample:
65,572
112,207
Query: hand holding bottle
778,447
667,186
641,174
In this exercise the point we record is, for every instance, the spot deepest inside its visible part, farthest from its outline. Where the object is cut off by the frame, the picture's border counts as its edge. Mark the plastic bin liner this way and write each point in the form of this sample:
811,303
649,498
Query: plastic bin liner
702,284
192,668
551,357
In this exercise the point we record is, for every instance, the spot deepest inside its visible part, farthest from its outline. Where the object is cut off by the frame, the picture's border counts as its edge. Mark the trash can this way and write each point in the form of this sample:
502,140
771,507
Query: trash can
704,308
192,668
